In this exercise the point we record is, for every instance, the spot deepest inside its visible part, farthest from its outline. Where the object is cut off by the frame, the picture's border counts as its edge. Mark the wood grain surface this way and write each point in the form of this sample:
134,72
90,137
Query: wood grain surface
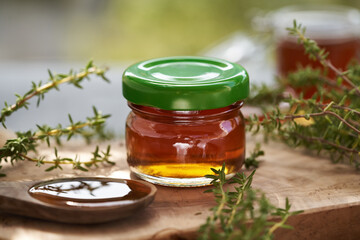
328,193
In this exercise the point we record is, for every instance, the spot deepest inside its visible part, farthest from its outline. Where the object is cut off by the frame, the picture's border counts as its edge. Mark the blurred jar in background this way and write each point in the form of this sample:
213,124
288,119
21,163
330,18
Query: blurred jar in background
334,28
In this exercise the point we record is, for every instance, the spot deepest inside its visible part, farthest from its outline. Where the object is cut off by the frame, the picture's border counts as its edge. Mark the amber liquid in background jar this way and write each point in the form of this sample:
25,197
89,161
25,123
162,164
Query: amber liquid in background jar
182,145
291,55
335,28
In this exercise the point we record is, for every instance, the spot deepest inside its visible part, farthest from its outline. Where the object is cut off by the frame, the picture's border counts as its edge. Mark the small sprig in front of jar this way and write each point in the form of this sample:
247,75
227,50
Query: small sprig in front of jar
243,213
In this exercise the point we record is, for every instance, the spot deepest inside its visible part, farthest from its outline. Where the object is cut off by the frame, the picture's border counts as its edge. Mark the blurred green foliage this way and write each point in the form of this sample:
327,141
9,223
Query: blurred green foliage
138,29
127,29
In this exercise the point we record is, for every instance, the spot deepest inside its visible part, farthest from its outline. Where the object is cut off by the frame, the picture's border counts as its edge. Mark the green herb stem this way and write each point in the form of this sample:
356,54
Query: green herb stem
54,81
313,50
236,205
278,225
18,148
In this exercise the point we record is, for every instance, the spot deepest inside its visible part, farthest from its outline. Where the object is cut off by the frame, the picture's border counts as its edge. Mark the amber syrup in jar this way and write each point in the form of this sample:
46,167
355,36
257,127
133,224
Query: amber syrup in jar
185,119
334,28
185,144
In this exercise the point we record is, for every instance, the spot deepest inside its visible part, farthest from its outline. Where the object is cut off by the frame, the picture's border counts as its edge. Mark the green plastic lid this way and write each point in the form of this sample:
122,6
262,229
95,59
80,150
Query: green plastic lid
185,83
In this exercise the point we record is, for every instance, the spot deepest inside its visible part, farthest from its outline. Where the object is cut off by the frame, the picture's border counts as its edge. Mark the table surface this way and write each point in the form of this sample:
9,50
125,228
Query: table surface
328,193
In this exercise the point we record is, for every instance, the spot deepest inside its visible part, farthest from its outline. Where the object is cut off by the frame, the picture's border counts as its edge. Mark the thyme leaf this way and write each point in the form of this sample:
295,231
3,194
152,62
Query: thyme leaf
328,122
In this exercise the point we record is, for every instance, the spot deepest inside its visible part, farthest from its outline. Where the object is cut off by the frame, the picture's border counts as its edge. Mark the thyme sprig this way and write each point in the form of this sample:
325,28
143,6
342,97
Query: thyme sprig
327,122
321,127
18,148
243,213
54,81
316,53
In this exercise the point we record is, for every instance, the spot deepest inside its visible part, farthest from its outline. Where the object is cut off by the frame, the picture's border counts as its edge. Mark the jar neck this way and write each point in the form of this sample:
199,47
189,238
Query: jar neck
209,114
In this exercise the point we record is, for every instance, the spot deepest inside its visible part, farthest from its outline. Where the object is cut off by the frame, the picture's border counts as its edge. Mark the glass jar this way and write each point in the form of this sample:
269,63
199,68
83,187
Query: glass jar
185,119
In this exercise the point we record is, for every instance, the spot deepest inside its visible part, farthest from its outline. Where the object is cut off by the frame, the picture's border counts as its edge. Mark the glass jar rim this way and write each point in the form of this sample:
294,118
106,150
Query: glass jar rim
321,21
186,115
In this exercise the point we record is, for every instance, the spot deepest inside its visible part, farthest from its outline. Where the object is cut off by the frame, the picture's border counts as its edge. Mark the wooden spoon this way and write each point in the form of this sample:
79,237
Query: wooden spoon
76,200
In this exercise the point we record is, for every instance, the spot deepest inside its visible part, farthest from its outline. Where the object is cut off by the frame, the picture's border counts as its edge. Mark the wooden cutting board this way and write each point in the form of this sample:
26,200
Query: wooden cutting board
328,193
